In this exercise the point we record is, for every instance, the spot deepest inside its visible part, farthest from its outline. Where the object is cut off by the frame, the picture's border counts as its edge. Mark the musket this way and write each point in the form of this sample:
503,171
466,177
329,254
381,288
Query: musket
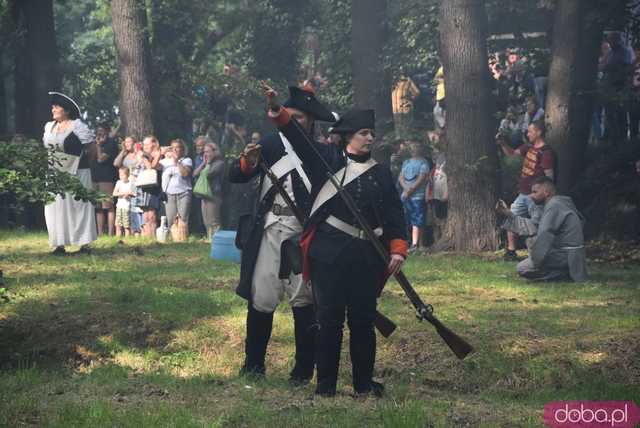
460,347
384,325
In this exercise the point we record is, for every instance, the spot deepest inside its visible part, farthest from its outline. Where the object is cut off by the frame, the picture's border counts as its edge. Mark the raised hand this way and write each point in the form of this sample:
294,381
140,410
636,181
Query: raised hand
270,94
252,153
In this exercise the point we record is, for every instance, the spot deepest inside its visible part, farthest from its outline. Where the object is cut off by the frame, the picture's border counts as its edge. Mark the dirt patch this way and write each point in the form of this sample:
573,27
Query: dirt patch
618,252
65,339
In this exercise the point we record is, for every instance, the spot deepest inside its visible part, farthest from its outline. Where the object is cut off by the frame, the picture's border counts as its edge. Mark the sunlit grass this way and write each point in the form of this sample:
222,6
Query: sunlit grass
142,334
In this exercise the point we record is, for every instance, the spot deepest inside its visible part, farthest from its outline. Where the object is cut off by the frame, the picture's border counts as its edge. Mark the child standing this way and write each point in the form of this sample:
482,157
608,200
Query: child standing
124,192
413,181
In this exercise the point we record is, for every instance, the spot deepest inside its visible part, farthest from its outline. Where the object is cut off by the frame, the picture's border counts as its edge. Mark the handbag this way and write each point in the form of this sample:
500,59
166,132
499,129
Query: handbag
202,189
147,179
179,230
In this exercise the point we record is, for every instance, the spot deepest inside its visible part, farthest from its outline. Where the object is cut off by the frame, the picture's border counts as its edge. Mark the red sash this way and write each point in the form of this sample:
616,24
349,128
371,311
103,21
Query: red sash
305,244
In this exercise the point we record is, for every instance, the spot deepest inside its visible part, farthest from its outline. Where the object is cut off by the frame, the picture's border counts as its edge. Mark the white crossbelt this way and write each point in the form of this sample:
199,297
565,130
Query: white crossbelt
296,161
287,163
346,176
349,229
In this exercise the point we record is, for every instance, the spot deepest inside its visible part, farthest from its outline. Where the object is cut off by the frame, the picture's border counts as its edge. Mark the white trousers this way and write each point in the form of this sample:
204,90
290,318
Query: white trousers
267,290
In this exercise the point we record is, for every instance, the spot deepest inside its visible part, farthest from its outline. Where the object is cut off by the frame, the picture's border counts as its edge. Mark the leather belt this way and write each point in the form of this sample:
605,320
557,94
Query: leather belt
572,248
281,210
349,229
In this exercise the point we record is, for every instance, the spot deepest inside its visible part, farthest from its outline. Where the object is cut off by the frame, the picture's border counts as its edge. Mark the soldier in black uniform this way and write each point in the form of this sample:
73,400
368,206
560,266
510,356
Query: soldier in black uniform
345,271
273,223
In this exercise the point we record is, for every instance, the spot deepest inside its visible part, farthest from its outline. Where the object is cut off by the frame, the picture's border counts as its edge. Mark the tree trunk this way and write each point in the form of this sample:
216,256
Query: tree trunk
572,86
132,46
371,86
37,70
4,110
471,151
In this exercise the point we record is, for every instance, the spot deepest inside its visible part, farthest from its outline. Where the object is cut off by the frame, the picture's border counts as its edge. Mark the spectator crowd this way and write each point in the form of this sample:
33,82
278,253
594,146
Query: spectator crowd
147,181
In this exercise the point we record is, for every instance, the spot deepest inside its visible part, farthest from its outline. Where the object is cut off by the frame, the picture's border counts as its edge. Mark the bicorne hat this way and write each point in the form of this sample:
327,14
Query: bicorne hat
70,106
353,121
304,99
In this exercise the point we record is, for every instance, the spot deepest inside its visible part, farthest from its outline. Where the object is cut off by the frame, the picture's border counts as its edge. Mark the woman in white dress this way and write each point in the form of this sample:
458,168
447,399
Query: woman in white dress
69,222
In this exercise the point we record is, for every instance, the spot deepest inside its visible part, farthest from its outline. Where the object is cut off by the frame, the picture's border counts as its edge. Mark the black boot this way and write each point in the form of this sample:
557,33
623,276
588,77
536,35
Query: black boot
363,356
328,359
305,335
259,327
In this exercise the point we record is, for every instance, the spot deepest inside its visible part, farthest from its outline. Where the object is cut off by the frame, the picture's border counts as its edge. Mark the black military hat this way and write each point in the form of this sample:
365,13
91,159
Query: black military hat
353,121
70,106
304,99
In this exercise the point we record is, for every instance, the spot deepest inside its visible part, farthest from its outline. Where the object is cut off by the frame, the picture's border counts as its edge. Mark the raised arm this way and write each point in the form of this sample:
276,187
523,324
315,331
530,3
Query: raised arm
117,162
243,169
184,167
506,149
312,153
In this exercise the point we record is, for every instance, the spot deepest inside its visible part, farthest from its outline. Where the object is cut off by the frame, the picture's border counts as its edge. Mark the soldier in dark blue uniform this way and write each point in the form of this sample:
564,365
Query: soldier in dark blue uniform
273,223
345,271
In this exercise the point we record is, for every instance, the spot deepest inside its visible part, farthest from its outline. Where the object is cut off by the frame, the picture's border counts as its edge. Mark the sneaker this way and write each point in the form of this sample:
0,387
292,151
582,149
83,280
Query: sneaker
510,256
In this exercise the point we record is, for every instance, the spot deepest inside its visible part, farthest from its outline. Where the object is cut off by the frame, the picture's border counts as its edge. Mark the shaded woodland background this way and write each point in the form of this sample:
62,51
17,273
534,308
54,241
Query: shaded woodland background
178,68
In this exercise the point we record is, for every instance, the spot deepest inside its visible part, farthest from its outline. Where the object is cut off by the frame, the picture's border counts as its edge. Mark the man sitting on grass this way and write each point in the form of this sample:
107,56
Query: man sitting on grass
556,244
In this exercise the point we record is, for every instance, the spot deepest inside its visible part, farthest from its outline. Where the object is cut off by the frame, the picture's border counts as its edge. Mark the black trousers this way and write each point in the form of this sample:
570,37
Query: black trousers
348,285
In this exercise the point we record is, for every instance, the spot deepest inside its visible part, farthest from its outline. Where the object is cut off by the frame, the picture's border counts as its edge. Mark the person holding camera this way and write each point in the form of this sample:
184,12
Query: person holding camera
104,176
176,182
148,198
539,160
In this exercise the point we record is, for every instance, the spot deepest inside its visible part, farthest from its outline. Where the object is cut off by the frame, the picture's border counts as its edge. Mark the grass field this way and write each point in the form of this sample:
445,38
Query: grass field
144,335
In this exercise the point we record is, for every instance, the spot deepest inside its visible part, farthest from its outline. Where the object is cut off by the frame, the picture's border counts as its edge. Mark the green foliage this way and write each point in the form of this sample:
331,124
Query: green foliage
413,41
333,25
274,38
88,57
27,174
4,295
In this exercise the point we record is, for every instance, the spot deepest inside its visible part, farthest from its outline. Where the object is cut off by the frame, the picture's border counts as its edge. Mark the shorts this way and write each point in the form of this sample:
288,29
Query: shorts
147,200
414,210
122,217
106,187
524,206
136,220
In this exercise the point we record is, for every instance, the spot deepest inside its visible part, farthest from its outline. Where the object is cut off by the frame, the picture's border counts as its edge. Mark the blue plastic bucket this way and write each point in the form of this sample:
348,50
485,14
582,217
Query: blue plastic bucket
223,246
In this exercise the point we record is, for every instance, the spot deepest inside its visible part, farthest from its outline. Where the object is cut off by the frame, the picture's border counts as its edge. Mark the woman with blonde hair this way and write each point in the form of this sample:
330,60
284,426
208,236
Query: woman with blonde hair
148,197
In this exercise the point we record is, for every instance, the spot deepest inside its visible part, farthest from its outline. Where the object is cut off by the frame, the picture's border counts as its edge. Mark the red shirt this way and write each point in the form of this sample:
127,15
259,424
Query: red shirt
536,160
